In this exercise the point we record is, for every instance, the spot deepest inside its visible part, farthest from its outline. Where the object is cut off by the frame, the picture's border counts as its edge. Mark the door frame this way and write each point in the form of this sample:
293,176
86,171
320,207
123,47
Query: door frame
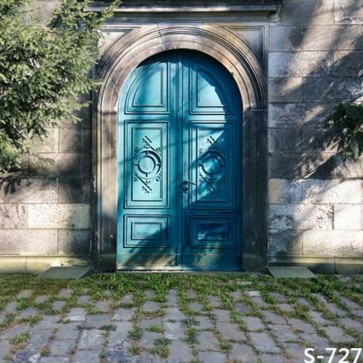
114,68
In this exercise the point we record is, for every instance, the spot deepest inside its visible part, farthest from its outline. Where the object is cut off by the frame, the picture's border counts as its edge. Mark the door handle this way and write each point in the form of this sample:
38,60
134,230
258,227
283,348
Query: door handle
186,185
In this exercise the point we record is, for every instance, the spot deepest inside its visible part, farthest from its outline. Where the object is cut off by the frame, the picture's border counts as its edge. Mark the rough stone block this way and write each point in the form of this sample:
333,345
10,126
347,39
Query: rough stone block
329,89
285,38
289,165
348,63
28,242
284,139
75,191
331,191
347,217
68,216
295,216
13,216
299,64
74,242
333,243
49,144
61,165
316,140
348,11
73,140
332,38
285,89
306,12
284,191
286,243
29,191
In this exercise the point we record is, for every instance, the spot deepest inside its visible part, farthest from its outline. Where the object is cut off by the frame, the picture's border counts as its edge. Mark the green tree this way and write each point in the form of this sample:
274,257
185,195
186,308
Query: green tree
43,70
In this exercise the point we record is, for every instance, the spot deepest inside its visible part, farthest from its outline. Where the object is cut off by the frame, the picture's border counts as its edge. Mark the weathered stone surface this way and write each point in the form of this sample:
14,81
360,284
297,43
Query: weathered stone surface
284,139
299,64
173,314
202,322
285,38
285,243
348,63
285,89
173,330
74,191
253,323
28,242
347,217
123,314
222,315
76,314
215,357
230,331
83,356
333,243
243,352
331,89
282,217
150,306
59,216
306,12
338,335
283,332
332,38
74,242
348,11
301,326
61,347
331,191
73,140
61,165
49,144
264,343
13,216
91,339
67,331
180,351
29,191
207,341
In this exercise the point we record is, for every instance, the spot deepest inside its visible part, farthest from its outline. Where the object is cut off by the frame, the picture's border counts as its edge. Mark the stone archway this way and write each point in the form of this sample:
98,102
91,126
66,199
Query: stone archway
222,45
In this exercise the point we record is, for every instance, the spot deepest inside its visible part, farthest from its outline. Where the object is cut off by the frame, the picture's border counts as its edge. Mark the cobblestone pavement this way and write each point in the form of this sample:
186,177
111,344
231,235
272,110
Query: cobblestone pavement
231,321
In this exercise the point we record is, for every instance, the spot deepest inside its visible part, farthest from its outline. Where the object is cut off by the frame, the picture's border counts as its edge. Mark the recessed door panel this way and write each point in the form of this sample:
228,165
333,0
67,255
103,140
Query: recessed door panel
179,166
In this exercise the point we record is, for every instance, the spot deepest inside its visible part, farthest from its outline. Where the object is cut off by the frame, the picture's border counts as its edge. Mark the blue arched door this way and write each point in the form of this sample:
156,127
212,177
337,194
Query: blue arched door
180,166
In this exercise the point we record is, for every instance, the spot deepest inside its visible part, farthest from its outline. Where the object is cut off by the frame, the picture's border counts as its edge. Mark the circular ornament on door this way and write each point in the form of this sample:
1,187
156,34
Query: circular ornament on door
148,164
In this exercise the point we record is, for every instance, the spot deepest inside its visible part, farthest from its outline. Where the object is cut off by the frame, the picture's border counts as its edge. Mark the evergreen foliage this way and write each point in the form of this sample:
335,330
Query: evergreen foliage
345,129
43,70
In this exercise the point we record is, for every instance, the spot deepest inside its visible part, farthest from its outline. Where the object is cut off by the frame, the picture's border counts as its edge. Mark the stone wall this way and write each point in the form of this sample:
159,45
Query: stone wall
315,199
45,208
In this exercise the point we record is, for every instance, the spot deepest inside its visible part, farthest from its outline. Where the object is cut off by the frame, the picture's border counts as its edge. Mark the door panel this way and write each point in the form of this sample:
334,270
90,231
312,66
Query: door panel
179,161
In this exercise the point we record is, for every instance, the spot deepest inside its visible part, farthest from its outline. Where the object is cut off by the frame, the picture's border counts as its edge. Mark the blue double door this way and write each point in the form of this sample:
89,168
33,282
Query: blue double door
179,166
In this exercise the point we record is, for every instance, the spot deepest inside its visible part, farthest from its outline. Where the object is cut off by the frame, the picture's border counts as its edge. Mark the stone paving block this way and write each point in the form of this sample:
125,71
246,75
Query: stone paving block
315,341
351,304
318,318
358,313
147,323
58,305
83,356
120,335
149,338
242,308
207,341
118,354
338,335
28,312
55,360
24,294
214,357
269,358
127,300
264,343
26,355
174,331
67,331
97,321
172,298
231,331
41,299
272,317
76,314
301,326
253,323
91,339
295,351
4,349
236,294
150,307
353,324
283,333
149,294
123,314
11,307
287,308
215,301
48,322
203,323
336,310
253,293
12,332
173,314
280,298
191,294
243,353
196,307
102,306
83,300
222,315
61,347
259,301
179,351
65,293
